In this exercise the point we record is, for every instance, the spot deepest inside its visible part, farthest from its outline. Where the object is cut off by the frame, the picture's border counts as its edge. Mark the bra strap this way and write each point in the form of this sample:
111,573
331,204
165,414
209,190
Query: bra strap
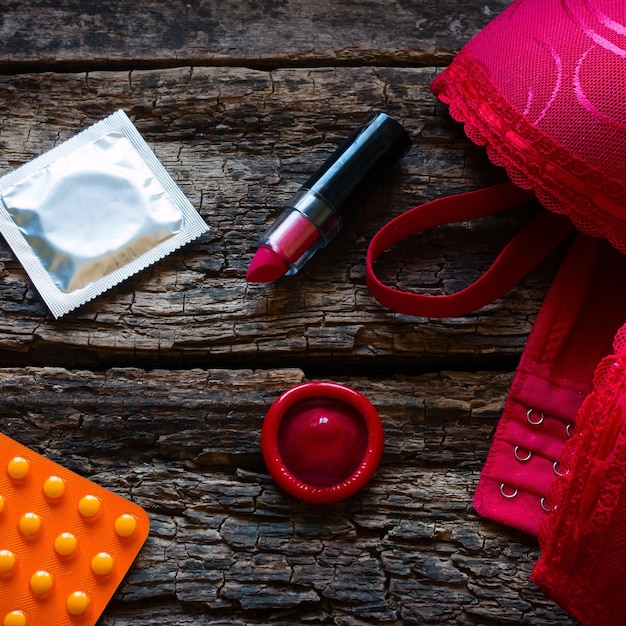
523,253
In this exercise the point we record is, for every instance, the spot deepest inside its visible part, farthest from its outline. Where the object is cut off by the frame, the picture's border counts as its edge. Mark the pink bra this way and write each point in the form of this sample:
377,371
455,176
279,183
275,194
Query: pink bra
543,88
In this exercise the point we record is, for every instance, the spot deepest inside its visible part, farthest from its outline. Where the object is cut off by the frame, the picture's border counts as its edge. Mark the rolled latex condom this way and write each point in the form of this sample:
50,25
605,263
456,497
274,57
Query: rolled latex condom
322,441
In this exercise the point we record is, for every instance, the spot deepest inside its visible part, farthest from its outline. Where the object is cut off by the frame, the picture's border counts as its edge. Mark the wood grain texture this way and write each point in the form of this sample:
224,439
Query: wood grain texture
240,142
246,33
158,388
228,547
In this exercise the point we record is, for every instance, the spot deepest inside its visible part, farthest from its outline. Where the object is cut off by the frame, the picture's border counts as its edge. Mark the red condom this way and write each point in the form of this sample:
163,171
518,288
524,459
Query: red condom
322,441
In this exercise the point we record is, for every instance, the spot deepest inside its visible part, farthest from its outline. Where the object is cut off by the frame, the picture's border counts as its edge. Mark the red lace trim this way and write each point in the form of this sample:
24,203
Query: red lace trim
595,203
577,535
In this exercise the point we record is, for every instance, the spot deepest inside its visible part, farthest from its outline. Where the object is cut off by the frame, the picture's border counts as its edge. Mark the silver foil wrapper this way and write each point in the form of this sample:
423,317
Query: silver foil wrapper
93,211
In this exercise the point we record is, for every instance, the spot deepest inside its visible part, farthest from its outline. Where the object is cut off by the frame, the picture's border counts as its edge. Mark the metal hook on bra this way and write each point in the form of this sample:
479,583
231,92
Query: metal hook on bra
508,495
544,506
519,457
529,415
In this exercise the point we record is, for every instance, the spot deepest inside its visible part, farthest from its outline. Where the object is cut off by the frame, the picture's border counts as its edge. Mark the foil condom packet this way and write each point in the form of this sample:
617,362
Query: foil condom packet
93,211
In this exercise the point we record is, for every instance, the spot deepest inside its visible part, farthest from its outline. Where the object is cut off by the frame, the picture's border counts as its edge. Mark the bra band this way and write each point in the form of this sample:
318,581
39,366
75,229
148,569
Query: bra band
574,328
522,254
583,309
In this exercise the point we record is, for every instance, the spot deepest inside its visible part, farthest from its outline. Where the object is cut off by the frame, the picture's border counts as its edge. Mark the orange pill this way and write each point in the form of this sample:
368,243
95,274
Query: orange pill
18,468
29,524
77,603
7,561
125,525
41,582
65,544
15,618
54,487
89,506
102,564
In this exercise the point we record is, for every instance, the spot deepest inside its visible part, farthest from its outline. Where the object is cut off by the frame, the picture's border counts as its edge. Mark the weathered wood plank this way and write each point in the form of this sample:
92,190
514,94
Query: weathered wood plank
233,139
227,546
79,33
241,101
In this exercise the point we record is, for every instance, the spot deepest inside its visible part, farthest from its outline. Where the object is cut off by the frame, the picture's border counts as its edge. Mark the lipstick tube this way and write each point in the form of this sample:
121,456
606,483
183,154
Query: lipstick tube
316,213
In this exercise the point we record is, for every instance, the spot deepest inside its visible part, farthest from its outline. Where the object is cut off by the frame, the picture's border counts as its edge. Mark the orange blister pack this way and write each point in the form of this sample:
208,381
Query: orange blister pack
65,542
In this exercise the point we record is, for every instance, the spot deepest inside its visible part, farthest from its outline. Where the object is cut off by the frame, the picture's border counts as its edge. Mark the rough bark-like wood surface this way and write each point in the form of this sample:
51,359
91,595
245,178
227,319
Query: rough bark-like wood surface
238,33
158,388
227,546
238,151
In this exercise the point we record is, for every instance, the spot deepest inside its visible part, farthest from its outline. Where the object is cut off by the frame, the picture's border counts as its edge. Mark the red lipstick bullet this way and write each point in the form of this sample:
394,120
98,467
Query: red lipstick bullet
316,213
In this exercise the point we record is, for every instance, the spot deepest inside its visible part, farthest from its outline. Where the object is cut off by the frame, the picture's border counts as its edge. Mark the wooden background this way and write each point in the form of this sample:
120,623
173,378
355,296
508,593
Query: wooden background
158,389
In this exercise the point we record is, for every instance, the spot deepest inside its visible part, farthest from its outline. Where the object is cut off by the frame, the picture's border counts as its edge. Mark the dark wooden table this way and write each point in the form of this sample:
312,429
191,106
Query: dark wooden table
158,389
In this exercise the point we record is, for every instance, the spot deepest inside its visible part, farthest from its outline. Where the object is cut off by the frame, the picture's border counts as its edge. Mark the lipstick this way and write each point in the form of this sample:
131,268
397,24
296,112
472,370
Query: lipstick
316,213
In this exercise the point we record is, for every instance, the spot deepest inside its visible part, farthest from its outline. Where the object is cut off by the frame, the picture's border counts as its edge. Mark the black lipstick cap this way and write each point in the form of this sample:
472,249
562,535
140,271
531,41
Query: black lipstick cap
352,171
